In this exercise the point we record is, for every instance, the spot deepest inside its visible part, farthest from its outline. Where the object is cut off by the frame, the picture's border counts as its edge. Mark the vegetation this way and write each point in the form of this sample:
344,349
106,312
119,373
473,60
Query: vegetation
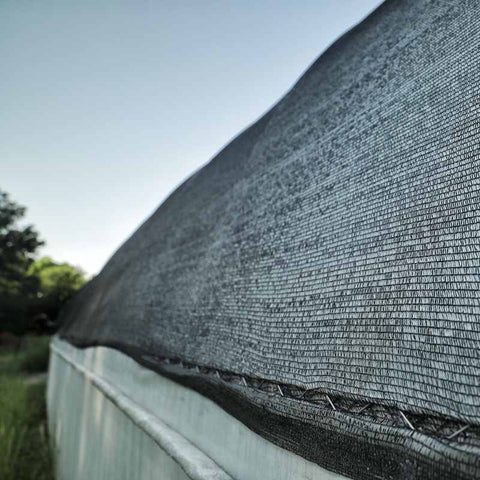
32,292
31,357
24,449
17,247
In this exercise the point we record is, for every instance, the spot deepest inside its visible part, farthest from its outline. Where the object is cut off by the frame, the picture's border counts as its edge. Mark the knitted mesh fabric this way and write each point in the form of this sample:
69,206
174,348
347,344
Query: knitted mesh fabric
332,248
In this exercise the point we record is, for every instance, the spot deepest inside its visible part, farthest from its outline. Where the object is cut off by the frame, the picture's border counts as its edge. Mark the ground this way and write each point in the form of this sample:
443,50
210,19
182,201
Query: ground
24,446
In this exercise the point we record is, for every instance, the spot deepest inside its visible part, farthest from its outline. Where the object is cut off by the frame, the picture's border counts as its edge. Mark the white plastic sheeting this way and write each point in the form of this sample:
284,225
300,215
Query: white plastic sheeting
110,418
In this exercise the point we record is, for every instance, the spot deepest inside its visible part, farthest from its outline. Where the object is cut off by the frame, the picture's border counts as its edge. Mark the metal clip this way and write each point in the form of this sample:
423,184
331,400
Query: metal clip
458,432
406,420
330,402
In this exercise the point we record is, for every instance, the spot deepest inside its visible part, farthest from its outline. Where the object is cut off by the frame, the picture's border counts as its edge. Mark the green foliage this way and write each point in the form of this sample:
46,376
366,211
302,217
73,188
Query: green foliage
13,429
31,357
31,292
17,244
57,283
17,247
24,448
34,358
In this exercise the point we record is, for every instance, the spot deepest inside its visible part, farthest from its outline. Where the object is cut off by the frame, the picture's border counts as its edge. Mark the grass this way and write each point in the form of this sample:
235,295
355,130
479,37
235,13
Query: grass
32,357
24,448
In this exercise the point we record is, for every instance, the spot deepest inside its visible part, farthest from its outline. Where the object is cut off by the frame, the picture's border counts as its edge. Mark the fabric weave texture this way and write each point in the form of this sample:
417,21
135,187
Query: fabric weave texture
333,245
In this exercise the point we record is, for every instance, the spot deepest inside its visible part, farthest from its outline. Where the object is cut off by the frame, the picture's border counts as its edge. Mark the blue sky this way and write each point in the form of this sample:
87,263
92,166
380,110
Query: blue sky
106,106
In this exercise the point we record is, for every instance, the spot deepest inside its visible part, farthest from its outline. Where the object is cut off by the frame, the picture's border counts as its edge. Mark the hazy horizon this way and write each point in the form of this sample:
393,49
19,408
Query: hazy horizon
107,108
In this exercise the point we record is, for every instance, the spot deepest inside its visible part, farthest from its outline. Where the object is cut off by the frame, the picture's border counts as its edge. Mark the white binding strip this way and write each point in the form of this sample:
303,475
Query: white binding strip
195,463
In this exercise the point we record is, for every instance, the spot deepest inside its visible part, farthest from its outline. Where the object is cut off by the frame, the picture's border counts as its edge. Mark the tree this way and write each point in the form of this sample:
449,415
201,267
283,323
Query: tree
17,248
31,292
57,283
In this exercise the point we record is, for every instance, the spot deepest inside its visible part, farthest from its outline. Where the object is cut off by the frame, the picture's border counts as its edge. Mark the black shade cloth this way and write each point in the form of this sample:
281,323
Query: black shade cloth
324,267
